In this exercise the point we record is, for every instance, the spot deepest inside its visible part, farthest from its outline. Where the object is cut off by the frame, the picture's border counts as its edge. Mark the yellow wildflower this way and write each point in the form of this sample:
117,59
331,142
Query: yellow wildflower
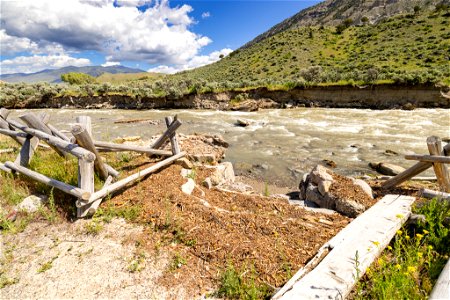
399,216
425,231
419,254
376,243
398,266
419,236
389,247
411,269
399,232
407,237
430,247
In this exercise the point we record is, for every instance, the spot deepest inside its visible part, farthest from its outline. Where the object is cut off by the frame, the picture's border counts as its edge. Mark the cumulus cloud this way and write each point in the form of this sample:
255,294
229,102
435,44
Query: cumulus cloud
160,34
195,62
206,15
30,64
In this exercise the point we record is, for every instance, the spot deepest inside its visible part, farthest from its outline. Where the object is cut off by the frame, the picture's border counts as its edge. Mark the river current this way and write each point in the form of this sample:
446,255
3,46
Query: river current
280,145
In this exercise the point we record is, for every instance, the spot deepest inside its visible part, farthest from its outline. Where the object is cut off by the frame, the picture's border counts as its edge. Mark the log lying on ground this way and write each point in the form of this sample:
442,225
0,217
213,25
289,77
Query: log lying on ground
430,194
413,171
130,179
166,135
353,250
120,147
84,140
55,141
75,191
416,178
441,289
435,148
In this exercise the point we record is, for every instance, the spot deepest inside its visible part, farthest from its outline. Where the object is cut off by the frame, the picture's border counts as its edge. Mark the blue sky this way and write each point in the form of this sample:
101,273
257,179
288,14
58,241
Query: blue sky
164,36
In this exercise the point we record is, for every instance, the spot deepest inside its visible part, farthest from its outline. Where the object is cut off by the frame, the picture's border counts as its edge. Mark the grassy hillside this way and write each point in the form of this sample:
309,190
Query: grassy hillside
126,77
409,48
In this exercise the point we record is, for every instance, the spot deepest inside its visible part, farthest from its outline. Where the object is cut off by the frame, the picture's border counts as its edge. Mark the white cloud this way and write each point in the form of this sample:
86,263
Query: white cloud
111,63
206,14
11,44
30,64
160,34
195,62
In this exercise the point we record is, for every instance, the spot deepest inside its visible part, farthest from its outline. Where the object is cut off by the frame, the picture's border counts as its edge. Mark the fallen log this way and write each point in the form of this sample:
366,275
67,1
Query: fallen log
353,249
74,191
430,194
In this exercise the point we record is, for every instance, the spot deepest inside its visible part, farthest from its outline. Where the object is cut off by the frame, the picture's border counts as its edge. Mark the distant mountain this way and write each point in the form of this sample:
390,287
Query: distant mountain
334,12
54,76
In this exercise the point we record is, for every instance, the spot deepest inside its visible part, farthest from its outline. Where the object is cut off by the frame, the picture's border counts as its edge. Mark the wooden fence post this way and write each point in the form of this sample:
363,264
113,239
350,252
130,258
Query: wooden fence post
173,137
443,178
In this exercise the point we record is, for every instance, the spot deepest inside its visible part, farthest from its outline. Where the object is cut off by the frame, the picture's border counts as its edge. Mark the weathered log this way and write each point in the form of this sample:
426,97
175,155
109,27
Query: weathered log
13,133
430,194
37,123
353,249
26,153
84,140
412,171
166,135
55,141
429,158
119,147
75,191
5,169
435,148
133,178
58,133
173,138
5,125
441,289
111,171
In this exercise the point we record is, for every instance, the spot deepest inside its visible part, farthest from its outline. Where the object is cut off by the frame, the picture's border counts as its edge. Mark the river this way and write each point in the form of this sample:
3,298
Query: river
281,144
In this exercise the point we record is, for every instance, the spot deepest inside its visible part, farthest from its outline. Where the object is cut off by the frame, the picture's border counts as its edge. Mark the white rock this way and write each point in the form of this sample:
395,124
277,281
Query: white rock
32,203
223,173
207,183
320,173
188,187
364,186
324,187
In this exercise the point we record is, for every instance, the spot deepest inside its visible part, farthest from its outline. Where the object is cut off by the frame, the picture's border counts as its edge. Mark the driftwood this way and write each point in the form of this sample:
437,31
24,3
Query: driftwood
166,135
430,194
75,191
441,289
121,148
130,179
412,171
55,141
443,178
353,250
173,138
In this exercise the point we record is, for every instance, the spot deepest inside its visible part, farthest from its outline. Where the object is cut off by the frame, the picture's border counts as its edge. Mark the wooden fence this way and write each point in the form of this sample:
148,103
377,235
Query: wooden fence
34,129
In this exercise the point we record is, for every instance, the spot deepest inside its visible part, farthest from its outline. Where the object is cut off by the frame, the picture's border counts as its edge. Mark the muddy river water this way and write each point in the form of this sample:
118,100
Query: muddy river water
280,145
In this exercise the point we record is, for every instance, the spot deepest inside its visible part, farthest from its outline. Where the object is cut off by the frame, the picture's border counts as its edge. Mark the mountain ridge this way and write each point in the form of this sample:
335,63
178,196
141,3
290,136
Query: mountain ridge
54,75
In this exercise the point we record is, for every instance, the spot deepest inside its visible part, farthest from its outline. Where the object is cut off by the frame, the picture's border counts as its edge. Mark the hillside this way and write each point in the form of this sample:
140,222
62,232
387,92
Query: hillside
334,12
126,77
408,48
54,76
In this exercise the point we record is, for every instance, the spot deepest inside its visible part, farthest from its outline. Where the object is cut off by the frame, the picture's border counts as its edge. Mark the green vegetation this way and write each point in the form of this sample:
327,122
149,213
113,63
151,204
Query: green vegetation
407,49
412,263
77,78
241,286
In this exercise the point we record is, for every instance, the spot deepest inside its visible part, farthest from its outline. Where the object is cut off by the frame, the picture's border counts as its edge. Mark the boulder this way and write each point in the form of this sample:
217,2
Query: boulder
32,203
223,173
345,195
386,168
242,123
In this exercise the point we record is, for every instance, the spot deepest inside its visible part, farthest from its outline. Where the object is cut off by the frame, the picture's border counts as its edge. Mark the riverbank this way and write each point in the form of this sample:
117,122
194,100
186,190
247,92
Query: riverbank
380,96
